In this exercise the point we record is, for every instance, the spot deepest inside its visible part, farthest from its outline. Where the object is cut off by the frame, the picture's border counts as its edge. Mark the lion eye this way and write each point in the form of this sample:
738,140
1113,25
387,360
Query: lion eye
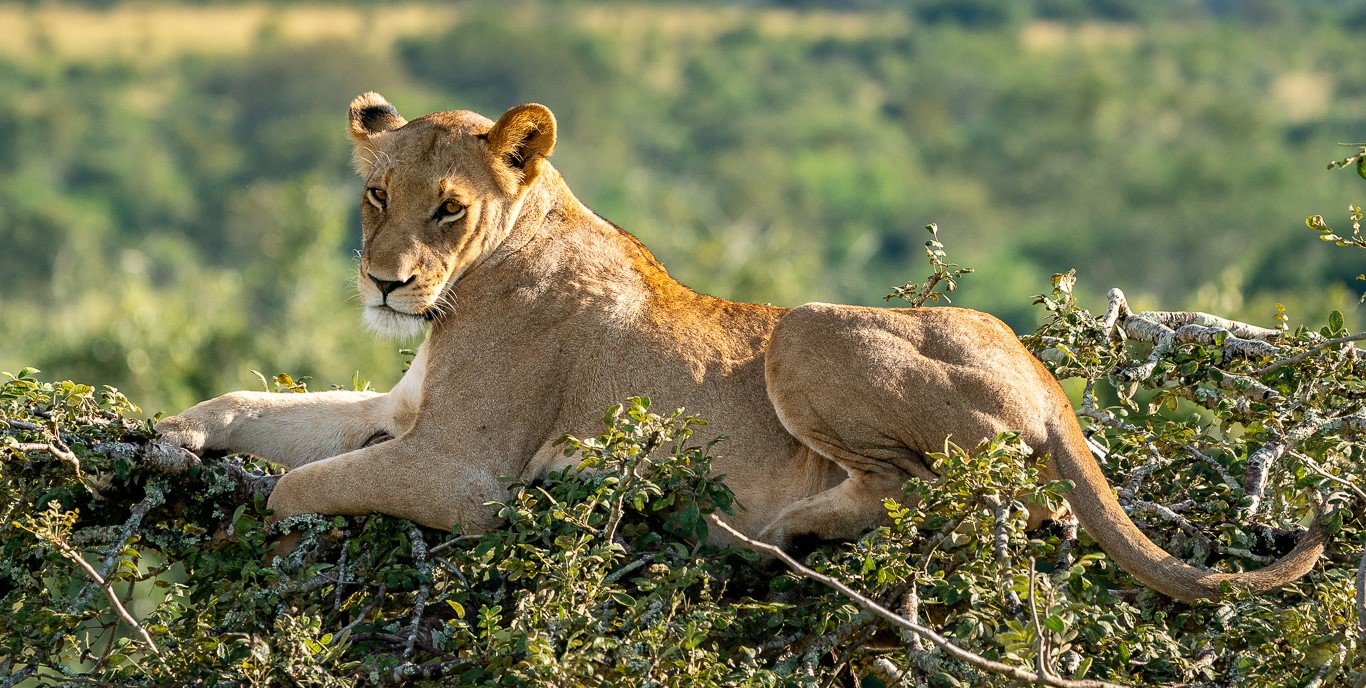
450,211
377,197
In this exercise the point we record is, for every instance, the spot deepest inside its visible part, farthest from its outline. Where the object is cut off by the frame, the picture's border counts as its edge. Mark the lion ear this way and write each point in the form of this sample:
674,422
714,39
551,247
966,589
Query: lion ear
371,114
523,137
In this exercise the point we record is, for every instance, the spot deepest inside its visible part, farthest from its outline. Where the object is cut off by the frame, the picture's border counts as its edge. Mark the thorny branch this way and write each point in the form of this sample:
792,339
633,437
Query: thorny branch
870,605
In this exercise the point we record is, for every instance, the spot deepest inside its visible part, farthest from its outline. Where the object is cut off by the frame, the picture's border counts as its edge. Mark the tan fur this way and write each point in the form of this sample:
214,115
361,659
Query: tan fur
542,314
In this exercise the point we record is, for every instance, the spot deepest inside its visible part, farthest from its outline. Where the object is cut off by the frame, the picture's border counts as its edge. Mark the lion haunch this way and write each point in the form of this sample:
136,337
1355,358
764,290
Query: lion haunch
541,314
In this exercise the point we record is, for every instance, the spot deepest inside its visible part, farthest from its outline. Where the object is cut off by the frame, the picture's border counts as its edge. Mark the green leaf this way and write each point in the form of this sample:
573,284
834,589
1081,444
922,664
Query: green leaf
1335,321
1055,623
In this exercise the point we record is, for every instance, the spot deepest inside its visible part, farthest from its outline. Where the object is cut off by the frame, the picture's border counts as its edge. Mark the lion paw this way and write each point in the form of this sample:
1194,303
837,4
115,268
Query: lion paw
206,425
183,432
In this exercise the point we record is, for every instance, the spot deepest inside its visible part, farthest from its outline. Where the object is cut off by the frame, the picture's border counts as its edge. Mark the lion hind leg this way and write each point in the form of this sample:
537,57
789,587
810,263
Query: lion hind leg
843,512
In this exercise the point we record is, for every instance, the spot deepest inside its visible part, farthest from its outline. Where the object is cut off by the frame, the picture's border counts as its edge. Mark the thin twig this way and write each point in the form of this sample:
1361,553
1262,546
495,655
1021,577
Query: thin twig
1041,648
962,655
1315,467
453,542
1307,353
632,475
1113,422
1203,544
379,596
69,552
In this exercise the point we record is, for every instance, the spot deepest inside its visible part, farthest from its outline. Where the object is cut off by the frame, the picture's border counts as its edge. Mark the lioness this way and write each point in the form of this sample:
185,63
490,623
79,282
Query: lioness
542,314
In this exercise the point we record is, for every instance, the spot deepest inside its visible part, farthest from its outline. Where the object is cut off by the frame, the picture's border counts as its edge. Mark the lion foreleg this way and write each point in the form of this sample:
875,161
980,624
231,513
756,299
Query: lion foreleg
289,429
403,478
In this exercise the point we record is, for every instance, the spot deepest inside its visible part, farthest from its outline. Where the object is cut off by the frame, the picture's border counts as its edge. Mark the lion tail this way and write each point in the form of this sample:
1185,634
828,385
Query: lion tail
1100,514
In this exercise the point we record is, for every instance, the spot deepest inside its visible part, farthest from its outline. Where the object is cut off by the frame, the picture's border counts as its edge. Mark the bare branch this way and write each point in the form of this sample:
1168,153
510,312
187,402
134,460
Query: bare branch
168,459
1117,310
164,458
621,572
1041,646
965,656
1181,319
887,673
59,451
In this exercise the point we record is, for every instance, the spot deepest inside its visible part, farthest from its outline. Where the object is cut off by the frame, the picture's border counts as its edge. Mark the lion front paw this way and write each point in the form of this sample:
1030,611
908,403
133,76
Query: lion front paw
206,425
183,431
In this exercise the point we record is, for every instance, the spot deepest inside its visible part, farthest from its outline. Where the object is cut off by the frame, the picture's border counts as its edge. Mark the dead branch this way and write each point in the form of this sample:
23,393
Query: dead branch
1165,329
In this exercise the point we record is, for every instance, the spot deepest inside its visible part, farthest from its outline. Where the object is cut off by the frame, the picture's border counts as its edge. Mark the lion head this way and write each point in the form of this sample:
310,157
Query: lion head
442,192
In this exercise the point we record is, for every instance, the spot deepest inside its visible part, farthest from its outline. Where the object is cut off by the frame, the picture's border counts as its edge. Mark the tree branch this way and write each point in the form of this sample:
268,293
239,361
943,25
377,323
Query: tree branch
424,568
965,656
1310,352
19,676
1259,462
70,552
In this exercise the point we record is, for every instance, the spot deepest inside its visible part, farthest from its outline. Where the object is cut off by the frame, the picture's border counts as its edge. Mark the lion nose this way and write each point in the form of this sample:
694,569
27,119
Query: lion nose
387,286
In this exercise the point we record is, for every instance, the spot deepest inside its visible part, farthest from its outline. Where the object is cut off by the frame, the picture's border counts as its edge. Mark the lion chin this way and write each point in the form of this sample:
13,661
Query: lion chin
387,322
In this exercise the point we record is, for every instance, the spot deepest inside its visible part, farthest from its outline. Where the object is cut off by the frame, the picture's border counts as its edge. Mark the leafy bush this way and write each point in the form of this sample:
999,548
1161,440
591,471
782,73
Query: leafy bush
600,576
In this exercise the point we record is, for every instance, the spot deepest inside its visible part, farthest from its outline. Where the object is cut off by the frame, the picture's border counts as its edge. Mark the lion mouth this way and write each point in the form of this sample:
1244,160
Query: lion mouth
427,314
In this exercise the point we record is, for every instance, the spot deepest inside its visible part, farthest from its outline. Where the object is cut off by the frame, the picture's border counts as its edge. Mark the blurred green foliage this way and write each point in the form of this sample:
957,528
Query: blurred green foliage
171,223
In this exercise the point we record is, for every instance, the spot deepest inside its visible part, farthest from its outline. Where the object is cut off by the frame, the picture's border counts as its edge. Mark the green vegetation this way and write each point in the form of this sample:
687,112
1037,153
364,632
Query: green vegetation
1223,440
179,215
